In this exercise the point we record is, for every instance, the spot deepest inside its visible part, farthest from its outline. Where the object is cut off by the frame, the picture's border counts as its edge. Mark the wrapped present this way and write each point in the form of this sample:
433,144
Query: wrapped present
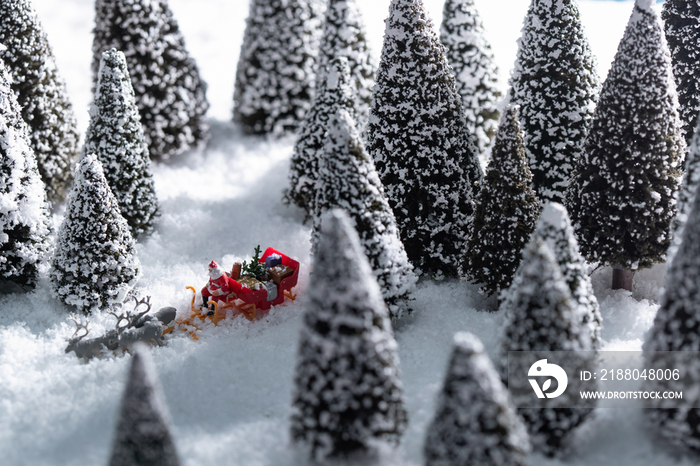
279,273
250,283
273,260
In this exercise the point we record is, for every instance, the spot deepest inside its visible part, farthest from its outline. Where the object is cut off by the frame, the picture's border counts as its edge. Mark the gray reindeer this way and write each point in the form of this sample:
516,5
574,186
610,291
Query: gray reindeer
88,349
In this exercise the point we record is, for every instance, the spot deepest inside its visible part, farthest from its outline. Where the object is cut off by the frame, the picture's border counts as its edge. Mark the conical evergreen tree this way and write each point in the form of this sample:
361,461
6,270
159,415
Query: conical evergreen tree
275,74
347,389
689,187
476,73
333,91
24,212
555,230
169,92
418,138
41,94
622,197
556,85
143,435
543,317
95,263
506,211
475,423
344,36
682,26
115,135
348,181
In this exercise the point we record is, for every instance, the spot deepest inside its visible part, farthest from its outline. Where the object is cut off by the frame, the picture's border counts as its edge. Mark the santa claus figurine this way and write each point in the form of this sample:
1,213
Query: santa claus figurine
220,288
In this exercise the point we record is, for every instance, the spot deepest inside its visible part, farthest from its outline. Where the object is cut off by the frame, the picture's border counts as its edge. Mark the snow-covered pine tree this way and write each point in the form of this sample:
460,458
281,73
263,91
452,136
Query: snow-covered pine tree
348,394
542,316
24,212
170,93
143,433
348,181
333,91
476,73
475,422
420,143
687,193
676,328
622,197
41,94
115,135
344,36
275,73
556,85
554,229
505,213
682,27
95,262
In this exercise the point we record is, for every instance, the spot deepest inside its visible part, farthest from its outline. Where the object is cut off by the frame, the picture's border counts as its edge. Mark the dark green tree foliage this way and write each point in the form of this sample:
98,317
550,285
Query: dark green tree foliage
682,26
556,85
344,36
169,92
677,328
95,263
41,94
347,389
115,135
275,73
24,212
542,316
505,214
622,198
333,91
475,422
420,143
143,435
476,73
348,181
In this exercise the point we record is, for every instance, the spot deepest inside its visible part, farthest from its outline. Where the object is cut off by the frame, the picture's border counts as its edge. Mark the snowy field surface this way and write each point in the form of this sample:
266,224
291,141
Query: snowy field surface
229,392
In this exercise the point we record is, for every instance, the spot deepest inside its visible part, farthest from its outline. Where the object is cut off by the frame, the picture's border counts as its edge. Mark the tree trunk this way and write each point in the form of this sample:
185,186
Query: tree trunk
622,279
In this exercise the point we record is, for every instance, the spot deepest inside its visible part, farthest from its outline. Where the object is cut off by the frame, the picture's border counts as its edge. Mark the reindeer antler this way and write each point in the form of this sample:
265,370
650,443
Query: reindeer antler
79,326
147,302
120,317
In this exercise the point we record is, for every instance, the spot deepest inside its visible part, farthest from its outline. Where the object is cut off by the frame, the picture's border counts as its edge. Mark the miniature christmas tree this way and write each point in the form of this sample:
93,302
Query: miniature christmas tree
556,85
681,19
169,91
344,36
275,73
689,187
555,230
542,316
347,389
143,434
115,135
95,263
475,422
506,211
348,181
622,197
420,143
476,74
24,212
41,94
333,91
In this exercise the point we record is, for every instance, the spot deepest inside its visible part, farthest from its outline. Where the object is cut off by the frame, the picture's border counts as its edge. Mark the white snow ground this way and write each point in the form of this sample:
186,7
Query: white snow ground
229,392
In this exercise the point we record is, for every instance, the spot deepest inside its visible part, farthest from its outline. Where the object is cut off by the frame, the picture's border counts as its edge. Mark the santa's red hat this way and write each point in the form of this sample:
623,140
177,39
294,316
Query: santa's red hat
213,265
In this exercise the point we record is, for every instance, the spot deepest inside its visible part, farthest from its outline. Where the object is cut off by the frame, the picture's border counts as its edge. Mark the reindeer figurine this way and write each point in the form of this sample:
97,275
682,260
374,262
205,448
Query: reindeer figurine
88,349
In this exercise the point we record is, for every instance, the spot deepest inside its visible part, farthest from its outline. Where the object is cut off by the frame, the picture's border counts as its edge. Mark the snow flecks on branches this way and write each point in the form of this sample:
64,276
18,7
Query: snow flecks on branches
169,91
505,213
347,391
95,263
42,96
348,181
623,193
475,422
24,211
420,143
556,84
275,73
115,135
475,71
333,91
